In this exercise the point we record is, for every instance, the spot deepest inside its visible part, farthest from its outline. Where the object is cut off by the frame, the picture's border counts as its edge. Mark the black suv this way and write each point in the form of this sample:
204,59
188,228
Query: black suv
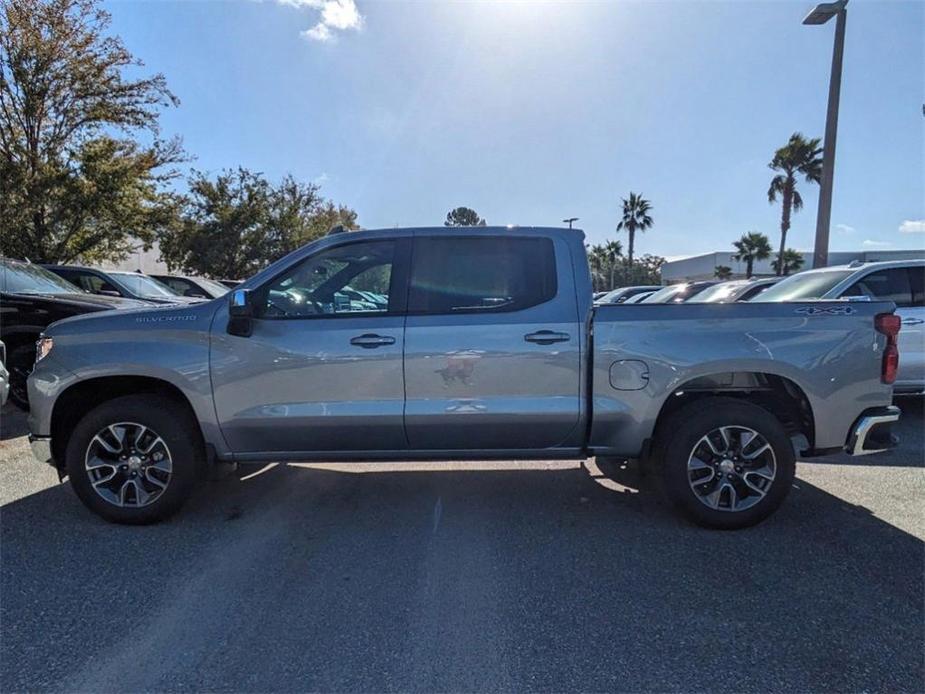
31,298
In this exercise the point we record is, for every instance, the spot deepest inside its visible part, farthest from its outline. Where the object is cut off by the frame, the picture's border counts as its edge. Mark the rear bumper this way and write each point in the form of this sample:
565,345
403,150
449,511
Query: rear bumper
871,432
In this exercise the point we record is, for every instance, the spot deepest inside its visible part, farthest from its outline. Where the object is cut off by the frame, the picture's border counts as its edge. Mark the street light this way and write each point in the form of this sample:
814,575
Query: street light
820,14
570,220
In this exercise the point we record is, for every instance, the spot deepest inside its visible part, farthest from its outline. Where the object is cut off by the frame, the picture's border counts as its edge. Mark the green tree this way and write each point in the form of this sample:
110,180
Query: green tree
722,272
82,169
751,247
798,157
463,217
793,261
238,223
635,218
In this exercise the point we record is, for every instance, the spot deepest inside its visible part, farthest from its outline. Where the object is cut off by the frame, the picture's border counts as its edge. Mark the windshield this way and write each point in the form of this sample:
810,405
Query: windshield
804,287
23,278
664,294
215,289
716,294
142,285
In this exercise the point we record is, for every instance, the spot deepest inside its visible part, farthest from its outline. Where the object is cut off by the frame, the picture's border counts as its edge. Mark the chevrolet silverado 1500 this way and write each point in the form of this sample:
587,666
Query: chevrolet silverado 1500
448,344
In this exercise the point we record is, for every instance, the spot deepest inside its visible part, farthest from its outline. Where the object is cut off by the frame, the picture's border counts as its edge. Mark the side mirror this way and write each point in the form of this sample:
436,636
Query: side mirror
241,313
109,292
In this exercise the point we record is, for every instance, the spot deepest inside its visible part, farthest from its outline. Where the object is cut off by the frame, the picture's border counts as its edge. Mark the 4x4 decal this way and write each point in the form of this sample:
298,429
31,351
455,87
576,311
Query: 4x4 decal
825,310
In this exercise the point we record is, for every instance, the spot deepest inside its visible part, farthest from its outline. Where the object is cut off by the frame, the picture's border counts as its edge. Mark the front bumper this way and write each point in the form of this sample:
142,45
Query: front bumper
871,432
41,448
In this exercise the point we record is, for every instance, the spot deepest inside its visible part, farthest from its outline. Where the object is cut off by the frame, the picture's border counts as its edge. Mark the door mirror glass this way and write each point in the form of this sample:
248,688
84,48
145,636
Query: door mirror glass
241,305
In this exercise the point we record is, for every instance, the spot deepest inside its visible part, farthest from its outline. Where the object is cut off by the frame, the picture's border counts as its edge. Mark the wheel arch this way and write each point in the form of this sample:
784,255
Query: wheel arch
81,397
779,395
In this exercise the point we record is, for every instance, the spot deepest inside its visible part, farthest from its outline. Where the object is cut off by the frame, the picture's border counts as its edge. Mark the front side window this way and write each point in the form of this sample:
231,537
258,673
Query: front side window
884,285
480,274
354,279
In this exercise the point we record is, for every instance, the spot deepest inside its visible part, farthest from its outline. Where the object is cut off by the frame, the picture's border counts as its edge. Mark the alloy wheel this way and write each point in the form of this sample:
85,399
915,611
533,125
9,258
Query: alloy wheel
731,468
128,464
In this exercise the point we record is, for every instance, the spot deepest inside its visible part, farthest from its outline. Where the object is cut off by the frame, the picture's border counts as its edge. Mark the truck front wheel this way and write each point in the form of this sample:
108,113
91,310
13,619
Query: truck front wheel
135,459
725,463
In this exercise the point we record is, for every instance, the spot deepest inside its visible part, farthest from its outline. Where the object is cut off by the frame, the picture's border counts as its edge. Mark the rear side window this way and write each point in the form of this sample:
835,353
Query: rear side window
480,274
884,285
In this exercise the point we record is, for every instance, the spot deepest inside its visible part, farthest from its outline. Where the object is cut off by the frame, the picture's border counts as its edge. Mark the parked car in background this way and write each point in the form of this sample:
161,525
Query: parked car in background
129,285
4,376
677,293
31,298
470,344
638,298
621,294
598,295
899,281
231,284
733,290
195,287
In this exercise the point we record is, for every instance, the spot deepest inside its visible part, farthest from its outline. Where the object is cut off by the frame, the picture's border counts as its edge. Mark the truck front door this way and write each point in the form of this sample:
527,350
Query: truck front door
492,343
322,367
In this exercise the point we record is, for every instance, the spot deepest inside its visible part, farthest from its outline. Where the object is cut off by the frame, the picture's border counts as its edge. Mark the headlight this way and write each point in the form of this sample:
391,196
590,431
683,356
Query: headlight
43,348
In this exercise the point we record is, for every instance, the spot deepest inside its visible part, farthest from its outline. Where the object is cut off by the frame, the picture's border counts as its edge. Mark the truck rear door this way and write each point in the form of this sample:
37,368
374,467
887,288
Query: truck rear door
492,343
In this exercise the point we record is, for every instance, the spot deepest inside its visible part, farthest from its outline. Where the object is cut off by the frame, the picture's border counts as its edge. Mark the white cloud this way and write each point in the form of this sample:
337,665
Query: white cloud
912,226
869,243
334,16
845,229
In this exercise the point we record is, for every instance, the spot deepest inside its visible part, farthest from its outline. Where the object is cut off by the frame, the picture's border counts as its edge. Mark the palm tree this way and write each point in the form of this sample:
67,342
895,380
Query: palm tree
635,218
798,156
751,247
613,251
722,272
793,261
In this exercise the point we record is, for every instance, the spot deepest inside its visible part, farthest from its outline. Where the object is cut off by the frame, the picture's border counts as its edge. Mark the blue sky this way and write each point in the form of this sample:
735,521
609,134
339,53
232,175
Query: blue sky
530,112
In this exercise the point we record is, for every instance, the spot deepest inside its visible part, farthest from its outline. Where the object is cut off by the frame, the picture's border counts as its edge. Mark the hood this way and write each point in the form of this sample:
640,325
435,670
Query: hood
187,317
89,302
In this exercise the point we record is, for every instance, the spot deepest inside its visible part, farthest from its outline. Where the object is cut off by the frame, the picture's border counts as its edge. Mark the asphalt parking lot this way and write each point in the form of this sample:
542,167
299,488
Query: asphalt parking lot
476,577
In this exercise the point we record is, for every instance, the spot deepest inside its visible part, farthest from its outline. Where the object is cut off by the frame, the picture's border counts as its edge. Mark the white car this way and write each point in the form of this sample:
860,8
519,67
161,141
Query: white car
900,281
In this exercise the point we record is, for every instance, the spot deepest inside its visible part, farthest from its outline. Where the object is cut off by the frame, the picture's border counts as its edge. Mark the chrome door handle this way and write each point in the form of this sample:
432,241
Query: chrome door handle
546,337
913,321
371,340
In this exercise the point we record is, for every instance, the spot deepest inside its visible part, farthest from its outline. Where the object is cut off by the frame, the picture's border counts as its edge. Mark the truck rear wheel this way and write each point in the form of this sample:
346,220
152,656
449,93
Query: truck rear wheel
135,459
725,463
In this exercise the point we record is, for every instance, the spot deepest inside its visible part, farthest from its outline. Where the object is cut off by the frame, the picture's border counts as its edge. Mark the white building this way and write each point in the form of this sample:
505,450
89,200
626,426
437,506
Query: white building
149,262
702,267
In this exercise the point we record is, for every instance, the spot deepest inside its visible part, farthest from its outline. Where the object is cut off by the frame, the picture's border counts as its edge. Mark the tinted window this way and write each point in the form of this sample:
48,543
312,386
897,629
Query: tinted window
353,279
87,281
917,280
884,285
454,274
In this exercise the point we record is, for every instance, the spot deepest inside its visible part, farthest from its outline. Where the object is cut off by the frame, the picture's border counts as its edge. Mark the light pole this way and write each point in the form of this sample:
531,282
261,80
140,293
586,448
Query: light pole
820,14
570,220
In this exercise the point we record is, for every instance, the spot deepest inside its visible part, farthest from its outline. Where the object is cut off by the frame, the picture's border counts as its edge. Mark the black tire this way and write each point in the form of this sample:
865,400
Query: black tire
20,363
172,423
685,429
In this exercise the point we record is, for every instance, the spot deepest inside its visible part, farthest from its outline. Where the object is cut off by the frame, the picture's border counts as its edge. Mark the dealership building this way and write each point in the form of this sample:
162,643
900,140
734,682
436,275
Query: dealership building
702,267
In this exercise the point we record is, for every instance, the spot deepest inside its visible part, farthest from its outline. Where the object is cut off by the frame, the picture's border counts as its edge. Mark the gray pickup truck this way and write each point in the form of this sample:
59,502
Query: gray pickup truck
449,344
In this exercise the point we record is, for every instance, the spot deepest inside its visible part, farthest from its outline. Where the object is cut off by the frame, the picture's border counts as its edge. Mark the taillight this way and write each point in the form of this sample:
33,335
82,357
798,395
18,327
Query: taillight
888,324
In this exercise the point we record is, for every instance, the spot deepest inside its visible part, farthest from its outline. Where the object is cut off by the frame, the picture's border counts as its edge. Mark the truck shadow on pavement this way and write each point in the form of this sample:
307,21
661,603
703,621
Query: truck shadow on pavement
538,576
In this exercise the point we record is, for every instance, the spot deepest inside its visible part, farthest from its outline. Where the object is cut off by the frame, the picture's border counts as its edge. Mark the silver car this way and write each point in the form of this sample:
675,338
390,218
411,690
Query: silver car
899,281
